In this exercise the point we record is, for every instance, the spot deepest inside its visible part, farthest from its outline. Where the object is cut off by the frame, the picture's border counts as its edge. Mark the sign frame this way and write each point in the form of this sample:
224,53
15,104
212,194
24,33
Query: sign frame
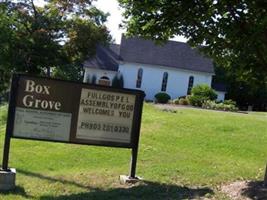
136,120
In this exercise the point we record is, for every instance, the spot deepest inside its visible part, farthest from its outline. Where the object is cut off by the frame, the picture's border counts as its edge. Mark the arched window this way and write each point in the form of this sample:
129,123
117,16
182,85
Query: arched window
164,82
104,80
190,84
139,78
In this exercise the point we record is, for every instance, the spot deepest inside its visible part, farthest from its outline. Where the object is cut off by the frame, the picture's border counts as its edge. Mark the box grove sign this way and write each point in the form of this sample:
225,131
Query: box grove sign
48,109
72,112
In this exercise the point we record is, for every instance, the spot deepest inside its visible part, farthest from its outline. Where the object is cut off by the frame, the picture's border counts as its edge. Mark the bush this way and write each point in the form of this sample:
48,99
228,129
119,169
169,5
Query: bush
209,104
229,102
200,94
183,101
162,97
204,90
175,101
219,106
196,100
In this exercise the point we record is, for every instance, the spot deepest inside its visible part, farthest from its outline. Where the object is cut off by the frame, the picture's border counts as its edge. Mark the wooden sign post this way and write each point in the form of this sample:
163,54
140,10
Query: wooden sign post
72,112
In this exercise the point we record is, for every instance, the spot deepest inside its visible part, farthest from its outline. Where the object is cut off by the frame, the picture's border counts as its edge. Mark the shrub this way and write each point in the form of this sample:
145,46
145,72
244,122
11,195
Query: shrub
200,94
175,101
196,100
229,102
162,97
204,90
183,101
218,106
209,104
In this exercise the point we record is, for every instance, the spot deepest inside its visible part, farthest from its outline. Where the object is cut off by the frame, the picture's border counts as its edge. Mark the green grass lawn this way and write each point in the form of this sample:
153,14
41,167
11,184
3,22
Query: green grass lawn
182,155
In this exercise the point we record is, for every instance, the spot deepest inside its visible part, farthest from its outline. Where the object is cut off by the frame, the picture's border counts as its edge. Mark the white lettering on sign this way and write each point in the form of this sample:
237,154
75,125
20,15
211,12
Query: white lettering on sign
31,101
39,89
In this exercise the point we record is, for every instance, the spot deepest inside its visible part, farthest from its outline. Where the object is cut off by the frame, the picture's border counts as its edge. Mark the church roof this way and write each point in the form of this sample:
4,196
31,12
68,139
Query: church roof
172,54
106,58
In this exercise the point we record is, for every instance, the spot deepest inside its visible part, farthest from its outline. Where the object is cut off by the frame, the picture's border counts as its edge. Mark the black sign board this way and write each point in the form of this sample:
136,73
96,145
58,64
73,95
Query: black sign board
73,112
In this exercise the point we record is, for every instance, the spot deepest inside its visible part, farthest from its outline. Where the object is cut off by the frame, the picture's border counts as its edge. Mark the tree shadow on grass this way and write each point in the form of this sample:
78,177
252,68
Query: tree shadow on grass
145,190
18,190
63,181
255,190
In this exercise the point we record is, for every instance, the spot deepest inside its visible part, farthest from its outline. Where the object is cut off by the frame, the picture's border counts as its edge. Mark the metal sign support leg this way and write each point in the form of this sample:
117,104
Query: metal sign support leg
10,123
133,162
6,152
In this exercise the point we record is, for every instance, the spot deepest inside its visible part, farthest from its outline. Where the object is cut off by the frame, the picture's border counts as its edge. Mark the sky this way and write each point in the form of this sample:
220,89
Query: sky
115,18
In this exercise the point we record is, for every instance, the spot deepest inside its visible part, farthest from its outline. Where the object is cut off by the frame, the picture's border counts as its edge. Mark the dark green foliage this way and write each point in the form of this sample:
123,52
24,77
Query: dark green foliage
6,49
204,91
68,72
196,100
201,93
5,77
118,81
58,36
162,97
246,89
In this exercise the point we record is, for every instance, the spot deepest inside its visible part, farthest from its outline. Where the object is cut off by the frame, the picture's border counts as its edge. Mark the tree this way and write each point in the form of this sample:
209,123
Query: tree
59,35
6,38
252,92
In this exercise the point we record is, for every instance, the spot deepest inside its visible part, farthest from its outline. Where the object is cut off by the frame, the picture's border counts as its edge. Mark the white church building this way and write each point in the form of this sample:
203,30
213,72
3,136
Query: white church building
173,68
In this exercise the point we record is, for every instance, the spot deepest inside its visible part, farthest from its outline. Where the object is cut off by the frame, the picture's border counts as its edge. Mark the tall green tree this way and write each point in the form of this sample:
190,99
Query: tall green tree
246,88
59,35
7,37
